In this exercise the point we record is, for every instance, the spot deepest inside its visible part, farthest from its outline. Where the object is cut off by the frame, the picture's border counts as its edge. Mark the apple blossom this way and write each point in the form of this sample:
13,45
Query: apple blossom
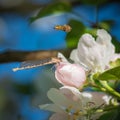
69,103
70,74
96,54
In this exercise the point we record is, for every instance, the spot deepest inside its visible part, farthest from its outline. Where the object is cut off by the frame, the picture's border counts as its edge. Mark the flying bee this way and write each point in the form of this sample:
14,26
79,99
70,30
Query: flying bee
37,63
65,28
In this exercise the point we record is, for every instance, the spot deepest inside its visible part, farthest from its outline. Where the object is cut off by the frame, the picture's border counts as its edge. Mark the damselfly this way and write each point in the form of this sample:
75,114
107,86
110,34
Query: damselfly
37,63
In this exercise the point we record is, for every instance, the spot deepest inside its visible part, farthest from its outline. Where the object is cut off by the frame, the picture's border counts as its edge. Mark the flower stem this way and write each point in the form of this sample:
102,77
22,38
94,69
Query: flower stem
100,110
93,84
110,89
107,109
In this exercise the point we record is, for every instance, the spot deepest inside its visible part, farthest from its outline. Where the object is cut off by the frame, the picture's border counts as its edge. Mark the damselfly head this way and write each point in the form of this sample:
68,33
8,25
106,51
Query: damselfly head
65,28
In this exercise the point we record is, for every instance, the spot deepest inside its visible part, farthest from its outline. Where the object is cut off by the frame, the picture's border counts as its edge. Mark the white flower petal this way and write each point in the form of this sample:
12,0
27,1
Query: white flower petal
87,40
71,92
115,57
106,99
58,98
74,57
94,54
62,57
98,98
51,107
75,96
107,48
103,36
59,116
88,52
87,95
69,98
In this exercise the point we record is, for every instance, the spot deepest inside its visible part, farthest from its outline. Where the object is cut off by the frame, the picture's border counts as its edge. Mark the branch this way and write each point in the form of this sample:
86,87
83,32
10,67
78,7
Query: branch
20,56
27,7
24,8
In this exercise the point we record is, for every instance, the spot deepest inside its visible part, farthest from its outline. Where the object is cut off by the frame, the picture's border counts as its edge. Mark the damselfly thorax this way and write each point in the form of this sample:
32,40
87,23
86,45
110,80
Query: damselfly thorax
37,63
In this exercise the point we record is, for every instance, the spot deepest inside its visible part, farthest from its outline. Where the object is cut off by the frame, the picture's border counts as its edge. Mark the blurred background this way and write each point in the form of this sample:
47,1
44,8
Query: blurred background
28,25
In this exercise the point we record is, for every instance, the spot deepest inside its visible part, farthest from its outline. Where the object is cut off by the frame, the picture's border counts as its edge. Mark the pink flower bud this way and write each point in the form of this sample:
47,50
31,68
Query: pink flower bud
70,74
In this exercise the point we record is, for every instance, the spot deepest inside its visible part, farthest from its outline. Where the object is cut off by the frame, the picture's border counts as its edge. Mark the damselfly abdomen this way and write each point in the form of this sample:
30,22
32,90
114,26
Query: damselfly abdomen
37,63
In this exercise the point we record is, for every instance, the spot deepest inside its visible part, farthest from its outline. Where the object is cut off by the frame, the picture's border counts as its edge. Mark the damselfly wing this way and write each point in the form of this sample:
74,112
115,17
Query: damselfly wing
37,63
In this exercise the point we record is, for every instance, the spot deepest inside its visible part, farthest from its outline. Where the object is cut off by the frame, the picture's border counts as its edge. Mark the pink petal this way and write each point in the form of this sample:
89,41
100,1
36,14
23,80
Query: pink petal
70,74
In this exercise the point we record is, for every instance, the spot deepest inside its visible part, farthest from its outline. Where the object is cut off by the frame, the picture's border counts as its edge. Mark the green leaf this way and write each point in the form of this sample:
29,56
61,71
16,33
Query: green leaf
106,24
54,8
92,31
115,63
116,44
118,114
112,74
108,115
72,37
